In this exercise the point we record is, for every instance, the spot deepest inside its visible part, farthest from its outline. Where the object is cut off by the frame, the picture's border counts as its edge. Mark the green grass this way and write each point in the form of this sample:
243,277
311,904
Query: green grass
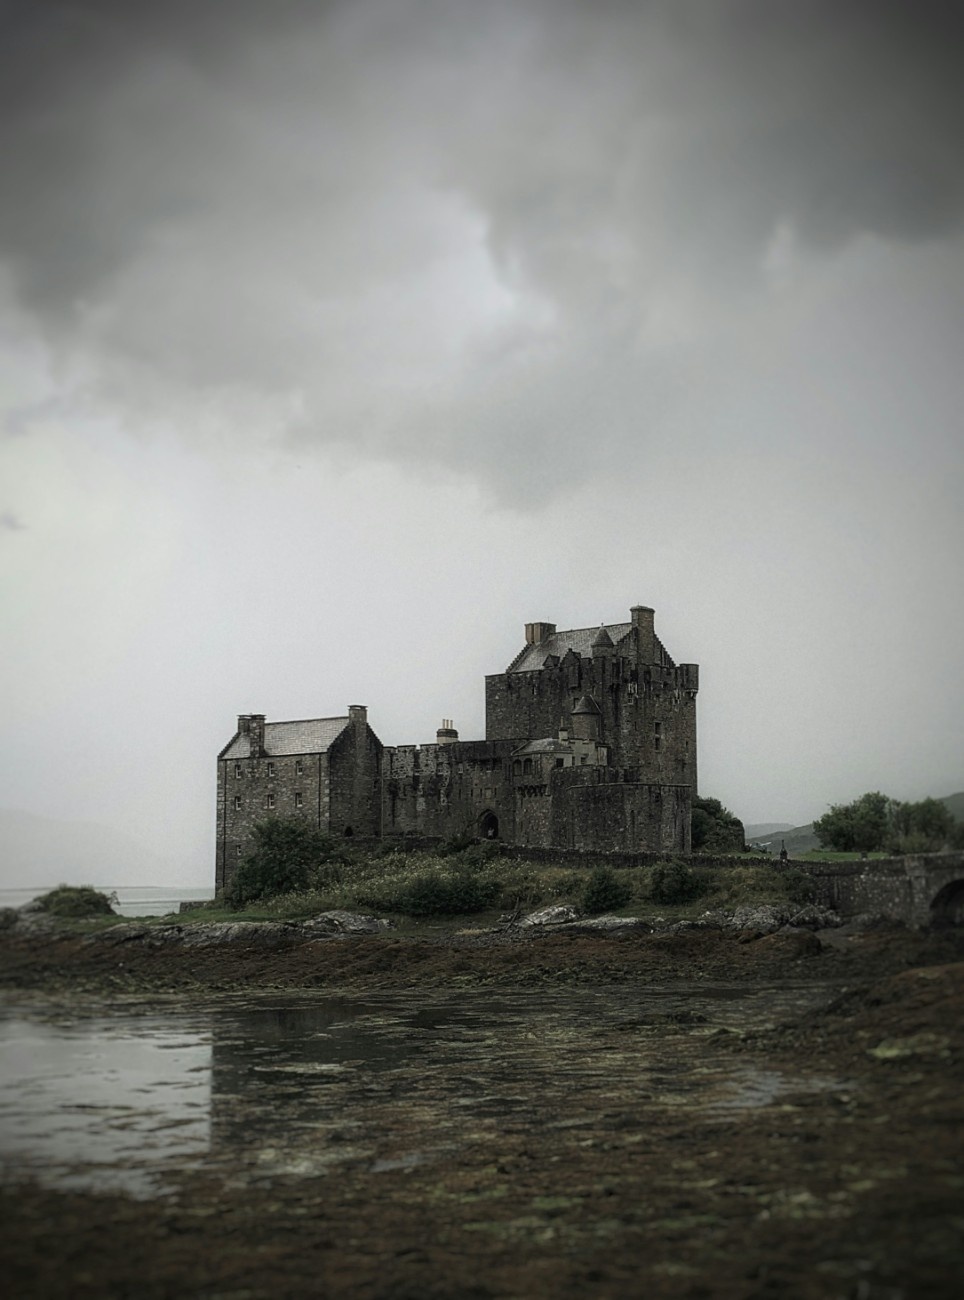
425,887
831,855
425,892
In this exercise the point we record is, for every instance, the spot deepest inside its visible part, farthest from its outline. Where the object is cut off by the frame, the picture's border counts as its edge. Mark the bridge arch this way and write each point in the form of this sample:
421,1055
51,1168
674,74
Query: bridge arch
947,905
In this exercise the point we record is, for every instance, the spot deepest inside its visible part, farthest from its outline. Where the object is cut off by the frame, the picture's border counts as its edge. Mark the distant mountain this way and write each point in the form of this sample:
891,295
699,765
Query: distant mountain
955,805
45,851
764,830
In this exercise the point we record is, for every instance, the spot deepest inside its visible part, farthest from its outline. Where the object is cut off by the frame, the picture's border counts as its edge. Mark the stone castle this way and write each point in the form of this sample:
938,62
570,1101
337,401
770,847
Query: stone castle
590,743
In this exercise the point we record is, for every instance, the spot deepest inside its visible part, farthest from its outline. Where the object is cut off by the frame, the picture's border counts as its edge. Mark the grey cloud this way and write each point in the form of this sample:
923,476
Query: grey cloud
10,523
444,231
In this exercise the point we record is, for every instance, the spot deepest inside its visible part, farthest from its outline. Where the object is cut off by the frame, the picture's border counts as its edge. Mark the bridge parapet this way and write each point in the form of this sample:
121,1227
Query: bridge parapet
919,890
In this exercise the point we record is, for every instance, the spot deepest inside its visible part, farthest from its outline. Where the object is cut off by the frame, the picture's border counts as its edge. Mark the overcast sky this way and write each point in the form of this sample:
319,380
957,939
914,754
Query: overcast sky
338,340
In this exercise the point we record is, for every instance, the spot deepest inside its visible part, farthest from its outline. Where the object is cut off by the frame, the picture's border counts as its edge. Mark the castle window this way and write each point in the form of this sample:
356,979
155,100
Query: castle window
658,736
271,769
560,762
299,799
527,766
583,761
299,768
238,770
517,768
237,850
270,801
237,803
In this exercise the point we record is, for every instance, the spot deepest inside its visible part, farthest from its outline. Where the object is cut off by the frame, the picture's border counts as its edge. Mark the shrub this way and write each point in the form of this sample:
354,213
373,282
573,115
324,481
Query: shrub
604,892
432,893
289,857
445,895
77,900
714,828
674,882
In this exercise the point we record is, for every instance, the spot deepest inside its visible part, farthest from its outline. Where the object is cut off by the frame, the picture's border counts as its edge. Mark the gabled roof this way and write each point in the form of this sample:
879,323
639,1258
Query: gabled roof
578,639
310,736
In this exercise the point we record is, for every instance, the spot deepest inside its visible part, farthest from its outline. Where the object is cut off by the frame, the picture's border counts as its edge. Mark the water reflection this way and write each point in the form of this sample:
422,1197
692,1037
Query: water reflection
100,1102
297,1085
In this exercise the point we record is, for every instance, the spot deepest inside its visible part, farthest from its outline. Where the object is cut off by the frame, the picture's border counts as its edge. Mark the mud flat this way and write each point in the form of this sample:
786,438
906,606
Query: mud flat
458,1115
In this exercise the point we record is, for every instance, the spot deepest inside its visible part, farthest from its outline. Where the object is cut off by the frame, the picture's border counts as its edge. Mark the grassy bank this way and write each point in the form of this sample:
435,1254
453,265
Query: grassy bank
480,884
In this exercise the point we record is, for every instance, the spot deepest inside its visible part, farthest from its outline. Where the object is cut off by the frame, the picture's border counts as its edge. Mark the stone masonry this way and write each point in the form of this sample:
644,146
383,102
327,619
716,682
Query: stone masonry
590,743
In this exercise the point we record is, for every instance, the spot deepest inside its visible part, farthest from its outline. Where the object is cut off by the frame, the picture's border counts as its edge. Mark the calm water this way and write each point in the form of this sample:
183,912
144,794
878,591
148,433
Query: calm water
133,900
294,1086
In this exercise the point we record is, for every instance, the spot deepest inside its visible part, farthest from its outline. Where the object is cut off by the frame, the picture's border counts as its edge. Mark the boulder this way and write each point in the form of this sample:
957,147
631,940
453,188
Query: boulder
608,925
342,922
812,917
558,914
9,916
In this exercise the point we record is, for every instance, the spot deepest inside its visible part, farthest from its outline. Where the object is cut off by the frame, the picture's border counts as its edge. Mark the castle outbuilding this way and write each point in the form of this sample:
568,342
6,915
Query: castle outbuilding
590,743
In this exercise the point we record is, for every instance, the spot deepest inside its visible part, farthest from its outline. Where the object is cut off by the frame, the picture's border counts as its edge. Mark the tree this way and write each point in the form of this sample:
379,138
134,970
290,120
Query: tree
289,857
862,826
920,827
715,829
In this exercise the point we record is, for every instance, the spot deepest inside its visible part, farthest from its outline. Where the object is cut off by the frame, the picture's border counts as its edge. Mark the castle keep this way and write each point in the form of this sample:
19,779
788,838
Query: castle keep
590,743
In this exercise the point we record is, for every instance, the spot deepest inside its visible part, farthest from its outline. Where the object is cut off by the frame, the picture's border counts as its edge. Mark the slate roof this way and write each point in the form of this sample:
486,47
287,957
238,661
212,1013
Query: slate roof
579,639
547,746
311,736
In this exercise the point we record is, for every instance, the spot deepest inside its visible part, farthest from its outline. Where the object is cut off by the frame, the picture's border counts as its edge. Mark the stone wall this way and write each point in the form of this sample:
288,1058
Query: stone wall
445,790
294,785
901,889
355,759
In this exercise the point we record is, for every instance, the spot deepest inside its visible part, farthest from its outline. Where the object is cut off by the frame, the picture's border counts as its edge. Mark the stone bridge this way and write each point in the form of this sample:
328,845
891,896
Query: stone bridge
920,890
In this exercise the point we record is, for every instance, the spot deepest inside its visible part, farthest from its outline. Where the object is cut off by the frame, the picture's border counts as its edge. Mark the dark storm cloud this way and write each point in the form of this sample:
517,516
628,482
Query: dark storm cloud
390,220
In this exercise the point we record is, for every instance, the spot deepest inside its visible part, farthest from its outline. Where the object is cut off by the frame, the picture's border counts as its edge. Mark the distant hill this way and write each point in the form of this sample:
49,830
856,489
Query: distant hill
43,851
764,830
801,839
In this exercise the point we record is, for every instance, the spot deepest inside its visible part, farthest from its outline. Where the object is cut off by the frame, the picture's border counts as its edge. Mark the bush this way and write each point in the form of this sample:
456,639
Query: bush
604,892
78,901
714,828
674,882
433,893
289,857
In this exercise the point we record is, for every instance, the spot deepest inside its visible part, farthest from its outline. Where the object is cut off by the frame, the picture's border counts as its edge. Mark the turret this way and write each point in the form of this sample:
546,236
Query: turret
586,719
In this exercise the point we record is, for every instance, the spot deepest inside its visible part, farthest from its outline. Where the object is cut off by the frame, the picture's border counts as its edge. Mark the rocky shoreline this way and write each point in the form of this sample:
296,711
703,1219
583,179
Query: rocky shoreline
588,1165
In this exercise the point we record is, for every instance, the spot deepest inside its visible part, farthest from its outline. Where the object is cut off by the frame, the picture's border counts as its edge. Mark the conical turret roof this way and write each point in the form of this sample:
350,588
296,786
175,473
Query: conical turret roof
585,704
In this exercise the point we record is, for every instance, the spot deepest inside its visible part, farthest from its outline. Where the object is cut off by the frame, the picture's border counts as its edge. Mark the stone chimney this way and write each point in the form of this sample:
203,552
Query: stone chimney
252,726
446,734
536,633
642,617
358,715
